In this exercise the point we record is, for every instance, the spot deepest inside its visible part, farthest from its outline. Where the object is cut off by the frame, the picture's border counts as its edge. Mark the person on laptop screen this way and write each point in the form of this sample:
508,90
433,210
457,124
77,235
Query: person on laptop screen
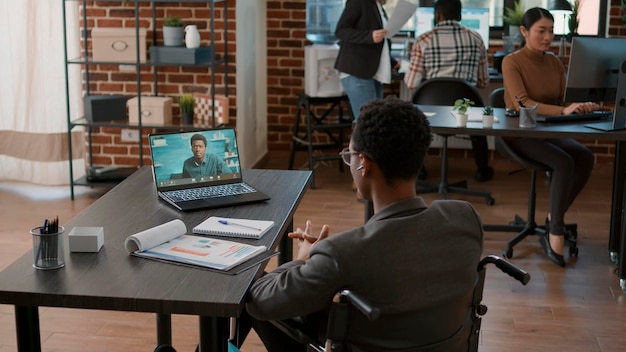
203,164
534,75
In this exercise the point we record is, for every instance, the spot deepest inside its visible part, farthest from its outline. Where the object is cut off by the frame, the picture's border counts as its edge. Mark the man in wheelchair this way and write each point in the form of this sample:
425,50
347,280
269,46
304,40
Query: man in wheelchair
416,263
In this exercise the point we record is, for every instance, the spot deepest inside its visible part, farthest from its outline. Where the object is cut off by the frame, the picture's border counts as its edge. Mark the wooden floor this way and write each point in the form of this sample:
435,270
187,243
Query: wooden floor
579,308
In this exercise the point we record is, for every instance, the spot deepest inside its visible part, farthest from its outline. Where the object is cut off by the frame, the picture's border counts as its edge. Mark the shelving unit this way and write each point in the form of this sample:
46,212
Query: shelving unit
86,60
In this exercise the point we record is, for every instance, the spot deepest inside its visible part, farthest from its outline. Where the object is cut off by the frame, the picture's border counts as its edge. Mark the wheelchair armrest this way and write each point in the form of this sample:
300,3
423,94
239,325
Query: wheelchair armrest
507,267
297,331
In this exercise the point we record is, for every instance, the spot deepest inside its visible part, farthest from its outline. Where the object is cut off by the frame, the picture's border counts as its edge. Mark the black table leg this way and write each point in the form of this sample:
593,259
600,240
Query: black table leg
164,329
285,246
213,334
27,328
617,203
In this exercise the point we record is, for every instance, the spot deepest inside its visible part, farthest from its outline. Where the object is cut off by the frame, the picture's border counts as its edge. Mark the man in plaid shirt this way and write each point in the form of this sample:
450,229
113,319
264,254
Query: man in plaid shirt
452,50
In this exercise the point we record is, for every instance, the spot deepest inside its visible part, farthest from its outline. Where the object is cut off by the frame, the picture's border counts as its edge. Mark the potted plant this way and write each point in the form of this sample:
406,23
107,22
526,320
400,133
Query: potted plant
461,106
173,31
513,17
573,21
186,103
488,117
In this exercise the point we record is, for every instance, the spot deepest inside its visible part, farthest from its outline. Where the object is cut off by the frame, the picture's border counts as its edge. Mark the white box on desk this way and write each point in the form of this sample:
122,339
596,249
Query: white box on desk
154,110
86,239
118,44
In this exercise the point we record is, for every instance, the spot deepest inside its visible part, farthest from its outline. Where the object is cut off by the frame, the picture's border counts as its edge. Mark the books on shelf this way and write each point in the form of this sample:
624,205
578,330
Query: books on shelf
230,227
169,242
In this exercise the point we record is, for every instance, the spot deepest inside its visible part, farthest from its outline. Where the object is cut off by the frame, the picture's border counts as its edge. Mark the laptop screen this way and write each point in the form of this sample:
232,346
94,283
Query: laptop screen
195,158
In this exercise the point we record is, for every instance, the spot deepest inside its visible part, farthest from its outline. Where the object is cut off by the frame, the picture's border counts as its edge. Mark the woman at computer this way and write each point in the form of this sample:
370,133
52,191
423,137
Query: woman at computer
535,76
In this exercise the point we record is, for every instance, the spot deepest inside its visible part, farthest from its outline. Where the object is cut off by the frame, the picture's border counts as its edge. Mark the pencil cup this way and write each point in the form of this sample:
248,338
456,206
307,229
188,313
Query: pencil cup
48,251
527,117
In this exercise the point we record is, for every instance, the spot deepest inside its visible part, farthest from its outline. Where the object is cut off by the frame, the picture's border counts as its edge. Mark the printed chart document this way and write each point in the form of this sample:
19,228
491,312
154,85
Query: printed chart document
169,242
230,227
403,11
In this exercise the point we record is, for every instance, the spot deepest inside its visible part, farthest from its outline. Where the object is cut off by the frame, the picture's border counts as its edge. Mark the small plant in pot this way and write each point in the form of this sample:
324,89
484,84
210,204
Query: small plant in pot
488,117
186,103
513,17
173,31
461,106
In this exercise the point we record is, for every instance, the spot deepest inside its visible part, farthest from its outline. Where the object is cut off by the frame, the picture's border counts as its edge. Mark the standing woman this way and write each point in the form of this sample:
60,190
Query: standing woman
535,76
364,58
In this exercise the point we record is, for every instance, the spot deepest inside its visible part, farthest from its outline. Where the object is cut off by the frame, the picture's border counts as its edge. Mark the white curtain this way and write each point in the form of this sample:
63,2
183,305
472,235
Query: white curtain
33,110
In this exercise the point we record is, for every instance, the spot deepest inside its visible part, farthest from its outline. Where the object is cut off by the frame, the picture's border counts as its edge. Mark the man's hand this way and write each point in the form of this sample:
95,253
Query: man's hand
306,241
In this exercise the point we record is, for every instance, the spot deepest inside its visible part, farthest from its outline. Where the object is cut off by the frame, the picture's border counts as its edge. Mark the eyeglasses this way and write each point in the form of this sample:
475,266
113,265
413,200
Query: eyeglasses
346,155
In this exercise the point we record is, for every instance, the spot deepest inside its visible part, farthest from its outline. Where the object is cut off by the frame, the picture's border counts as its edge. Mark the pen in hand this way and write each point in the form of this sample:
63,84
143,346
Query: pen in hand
240,225
519,102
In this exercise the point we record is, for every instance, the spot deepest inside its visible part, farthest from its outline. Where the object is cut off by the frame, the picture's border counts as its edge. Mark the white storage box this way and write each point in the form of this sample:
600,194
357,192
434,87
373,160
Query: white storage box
154,110
118,44
86,239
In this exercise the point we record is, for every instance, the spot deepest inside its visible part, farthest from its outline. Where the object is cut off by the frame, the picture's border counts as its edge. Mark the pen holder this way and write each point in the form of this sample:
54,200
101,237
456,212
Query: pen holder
48,251
527,117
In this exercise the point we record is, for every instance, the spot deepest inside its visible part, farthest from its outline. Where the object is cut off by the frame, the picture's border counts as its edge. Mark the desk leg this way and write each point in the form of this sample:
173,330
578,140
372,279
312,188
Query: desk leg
285,246
213,334
27,328
617,203
164,329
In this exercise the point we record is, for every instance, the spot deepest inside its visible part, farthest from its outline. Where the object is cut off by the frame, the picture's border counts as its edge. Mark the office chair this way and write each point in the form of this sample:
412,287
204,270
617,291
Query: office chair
444,91
524,228
462,338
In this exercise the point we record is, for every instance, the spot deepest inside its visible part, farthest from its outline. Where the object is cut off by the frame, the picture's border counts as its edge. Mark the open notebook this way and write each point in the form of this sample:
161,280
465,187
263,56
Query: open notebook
200,169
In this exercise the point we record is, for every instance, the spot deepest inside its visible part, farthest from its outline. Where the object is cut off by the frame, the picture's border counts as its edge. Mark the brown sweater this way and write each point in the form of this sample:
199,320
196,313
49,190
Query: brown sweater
534,78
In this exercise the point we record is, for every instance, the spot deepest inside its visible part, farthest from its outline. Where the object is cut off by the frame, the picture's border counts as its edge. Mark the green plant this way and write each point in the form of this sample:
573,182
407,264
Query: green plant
573,18
461,105
186,102
487,110
513,16
173,21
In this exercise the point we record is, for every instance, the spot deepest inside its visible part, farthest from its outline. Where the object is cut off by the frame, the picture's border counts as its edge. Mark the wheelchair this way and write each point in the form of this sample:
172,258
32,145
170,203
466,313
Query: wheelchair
347,302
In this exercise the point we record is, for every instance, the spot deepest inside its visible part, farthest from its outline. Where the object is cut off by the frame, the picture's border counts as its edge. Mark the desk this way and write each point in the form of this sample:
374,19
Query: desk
114,280
443,122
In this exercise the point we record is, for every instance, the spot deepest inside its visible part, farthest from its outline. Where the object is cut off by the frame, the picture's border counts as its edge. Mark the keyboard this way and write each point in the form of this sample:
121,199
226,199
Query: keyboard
209,192
592,116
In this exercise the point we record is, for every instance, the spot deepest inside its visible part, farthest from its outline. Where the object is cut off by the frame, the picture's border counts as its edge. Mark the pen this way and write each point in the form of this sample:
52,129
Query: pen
519,102
235,224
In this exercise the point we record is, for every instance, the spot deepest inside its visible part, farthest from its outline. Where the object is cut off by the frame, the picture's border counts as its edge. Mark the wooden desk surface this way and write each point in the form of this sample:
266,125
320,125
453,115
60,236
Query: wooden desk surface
114,280
443,122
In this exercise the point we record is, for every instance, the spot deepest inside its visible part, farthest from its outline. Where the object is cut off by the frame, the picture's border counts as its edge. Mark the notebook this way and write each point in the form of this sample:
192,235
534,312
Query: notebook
207,175
230,227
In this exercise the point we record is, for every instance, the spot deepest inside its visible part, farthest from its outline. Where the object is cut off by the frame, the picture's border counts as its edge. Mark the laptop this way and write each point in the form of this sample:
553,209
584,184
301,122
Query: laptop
207,175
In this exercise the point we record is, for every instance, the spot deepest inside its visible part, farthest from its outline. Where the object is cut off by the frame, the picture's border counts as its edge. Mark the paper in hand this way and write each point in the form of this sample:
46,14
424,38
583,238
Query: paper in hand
403,11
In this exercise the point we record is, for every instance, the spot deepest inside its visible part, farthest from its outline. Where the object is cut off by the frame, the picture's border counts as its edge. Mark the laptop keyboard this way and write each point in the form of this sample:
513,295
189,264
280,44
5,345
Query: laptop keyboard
209,192
593,116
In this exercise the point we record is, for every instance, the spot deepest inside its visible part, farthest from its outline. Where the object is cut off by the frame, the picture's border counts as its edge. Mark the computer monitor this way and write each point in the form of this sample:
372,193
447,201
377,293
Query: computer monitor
593,68
476,19
597,73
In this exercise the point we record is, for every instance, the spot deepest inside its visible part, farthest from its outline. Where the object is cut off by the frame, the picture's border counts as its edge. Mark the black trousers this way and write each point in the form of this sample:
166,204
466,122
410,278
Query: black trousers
481,151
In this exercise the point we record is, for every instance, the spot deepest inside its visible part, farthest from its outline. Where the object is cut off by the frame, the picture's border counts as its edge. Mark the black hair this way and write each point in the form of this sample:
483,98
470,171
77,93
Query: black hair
395,135
197,137
535,14
450,9
531,16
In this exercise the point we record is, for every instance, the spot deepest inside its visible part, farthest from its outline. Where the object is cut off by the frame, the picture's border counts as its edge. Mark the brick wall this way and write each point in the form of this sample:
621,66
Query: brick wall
173,81
285,64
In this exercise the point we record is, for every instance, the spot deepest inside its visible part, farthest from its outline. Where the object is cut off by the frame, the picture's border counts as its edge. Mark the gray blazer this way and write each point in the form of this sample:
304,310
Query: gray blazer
416,263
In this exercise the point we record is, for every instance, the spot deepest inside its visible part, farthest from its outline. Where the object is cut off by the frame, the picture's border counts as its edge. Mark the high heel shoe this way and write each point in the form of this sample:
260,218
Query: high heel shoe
552,255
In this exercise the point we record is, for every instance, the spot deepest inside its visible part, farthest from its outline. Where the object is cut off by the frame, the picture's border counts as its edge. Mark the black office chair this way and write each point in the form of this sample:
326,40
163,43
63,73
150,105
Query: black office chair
524,228
444,91
462,338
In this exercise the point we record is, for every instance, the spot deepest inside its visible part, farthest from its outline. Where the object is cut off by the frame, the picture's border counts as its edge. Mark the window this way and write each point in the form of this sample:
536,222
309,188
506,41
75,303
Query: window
591,13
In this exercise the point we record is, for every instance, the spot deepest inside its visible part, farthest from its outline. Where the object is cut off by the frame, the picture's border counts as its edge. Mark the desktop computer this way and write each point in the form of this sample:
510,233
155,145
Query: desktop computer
597,73
476,19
